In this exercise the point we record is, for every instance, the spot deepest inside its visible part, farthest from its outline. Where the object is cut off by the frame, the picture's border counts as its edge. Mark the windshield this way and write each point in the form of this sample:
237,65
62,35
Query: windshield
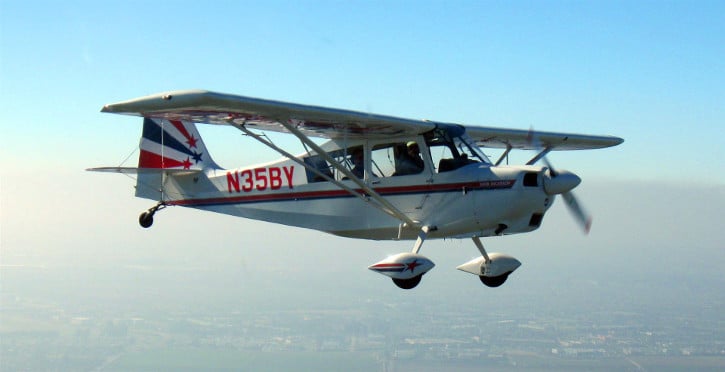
451,148
466,145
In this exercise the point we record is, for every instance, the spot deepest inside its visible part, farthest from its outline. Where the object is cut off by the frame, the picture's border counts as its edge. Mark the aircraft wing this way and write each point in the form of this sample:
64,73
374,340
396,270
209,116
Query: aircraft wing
215,108
521,139
202,106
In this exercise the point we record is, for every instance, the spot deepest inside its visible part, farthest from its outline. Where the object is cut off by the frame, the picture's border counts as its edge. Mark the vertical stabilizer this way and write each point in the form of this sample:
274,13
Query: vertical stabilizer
172,144
168,145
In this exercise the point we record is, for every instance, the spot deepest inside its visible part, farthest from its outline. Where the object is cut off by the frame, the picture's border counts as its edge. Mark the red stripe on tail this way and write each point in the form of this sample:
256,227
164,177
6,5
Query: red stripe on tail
190,140
150,160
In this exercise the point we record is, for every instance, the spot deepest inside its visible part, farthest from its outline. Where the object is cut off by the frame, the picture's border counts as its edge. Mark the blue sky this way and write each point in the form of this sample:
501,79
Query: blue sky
650,72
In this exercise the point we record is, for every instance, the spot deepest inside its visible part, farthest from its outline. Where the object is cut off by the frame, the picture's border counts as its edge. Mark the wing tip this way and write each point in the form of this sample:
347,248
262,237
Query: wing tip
138,105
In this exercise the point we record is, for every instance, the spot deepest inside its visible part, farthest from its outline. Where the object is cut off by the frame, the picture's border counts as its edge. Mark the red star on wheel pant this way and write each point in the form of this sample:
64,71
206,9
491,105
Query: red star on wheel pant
411,266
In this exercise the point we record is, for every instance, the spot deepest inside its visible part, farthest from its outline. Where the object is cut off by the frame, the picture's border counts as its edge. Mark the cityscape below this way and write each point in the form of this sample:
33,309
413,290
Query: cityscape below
138,324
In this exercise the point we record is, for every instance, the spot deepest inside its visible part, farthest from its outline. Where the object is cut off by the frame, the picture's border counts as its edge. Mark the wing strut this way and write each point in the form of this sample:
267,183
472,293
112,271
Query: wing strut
504,156
366,193
539,155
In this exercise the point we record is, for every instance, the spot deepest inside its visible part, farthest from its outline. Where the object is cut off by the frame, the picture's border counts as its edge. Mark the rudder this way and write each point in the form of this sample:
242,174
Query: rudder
168,147
172,144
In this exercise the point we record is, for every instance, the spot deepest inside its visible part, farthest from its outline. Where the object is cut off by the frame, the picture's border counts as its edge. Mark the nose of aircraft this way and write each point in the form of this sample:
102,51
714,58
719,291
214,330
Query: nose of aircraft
560,181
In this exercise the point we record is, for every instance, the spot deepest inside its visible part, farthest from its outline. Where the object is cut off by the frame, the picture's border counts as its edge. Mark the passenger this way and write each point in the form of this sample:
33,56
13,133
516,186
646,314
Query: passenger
358,162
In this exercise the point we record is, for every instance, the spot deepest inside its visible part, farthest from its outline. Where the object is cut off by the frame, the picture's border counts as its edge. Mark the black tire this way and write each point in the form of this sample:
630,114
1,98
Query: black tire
408,283
494,281
146,219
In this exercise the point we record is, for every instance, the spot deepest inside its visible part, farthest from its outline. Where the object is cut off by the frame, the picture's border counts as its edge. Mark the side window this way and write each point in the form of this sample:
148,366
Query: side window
397,159
442,157
321,165
352,159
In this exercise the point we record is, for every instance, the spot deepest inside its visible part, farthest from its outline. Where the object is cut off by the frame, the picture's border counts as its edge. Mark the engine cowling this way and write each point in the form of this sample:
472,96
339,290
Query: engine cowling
403,266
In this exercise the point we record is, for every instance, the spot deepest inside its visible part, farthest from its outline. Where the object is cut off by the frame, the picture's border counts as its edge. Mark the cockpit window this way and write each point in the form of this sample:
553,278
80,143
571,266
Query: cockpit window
451,148
397,159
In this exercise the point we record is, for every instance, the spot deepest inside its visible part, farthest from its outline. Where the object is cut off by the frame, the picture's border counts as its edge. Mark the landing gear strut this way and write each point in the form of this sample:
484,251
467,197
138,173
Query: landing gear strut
146,219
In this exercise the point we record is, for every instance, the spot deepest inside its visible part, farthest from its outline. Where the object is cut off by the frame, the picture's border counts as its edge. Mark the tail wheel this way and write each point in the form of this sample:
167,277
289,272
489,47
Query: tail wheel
494,281
146,219
408,283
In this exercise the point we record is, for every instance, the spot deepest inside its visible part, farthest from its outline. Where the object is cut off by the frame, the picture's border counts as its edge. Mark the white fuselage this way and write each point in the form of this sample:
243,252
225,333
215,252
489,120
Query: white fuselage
474,200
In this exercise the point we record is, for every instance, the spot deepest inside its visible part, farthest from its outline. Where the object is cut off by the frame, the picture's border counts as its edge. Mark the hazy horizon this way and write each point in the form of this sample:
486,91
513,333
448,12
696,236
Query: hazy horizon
198,264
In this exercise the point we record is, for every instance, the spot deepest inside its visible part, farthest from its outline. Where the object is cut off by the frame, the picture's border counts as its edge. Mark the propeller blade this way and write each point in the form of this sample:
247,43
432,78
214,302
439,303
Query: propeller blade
551,168
582,218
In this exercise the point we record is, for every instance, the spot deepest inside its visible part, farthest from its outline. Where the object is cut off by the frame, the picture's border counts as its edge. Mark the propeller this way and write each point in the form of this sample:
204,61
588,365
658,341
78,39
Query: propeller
562,182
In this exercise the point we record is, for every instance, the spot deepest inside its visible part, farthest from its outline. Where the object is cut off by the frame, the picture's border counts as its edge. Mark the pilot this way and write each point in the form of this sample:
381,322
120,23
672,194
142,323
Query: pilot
408,160
414,153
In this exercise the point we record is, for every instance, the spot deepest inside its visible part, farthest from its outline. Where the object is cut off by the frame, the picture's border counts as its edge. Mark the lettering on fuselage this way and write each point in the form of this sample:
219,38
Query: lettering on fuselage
260,179
500,184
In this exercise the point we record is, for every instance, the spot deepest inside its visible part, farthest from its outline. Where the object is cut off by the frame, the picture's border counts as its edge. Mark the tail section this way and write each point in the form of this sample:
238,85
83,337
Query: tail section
172,144
168,148
171,151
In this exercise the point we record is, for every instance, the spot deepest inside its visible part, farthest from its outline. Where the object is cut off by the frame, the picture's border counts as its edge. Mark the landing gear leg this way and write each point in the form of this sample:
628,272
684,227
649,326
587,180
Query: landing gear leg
146,219
479,245
421,237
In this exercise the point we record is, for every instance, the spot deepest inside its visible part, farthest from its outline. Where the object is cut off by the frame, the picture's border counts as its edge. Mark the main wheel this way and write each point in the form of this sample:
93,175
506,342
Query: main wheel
408,283
146,219
494,281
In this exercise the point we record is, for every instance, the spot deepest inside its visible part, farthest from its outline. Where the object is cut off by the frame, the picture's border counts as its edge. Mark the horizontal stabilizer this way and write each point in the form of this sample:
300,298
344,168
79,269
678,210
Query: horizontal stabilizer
134,170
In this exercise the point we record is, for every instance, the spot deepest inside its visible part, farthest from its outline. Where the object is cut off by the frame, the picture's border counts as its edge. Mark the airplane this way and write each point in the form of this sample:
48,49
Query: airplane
376,177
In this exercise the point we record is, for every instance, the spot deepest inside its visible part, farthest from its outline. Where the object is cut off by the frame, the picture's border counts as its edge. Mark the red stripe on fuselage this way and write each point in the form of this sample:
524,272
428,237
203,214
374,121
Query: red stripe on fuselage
283,196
